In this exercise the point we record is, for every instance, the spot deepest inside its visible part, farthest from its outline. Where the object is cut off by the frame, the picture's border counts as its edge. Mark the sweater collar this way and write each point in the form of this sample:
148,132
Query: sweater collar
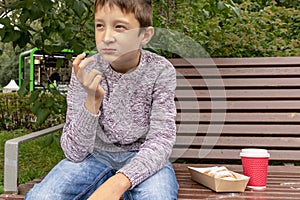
136,70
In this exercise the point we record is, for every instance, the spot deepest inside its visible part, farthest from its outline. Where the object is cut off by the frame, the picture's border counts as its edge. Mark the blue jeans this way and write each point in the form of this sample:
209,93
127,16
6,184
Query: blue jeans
69,180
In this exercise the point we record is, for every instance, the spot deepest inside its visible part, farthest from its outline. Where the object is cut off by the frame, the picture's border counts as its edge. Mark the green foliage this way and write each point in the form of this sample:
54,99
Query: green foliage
8,63
192,22
225,28
44,103
264,31
246,28
16,112
50,25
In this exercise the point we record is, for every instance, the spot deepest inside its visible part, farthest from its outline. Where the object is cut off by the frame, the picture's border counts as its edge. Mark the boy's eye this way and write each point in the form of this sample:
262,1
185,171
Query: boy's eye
121,27
99,26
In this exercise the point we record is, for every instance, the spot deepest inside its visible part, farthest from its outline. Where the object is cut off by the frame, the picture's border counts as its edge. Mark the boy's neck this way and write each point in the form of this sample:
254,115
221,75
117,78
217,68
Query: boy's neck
127,62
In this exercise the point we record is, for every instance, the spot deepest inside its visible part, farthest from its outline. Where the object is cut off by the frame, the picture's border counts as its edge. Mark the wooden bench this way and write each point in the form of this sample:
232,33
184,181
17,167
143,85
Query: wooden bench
226,104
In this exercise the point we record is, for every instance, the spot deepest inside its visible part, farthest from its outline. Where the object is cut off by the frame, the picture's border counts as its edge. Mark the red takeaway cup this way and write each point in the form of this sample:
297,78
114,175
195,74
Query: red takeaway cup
255,165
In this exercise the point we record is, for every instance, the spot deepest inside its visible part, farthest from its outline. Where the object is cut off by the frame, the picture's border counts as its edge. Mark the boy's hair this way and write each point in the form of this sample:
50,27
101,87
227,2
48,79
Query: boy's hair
142,9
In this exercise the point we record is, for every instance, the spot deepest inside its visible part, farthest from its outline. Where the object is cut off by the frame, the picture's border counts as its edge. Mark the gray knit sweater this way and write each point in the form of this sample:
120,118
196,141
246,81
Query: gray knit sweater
137,113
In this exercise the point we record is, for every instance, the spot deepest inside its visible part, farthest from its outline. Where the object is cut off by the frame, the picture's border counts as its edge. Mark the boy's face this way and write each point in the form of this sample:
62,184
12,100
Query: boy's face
117,34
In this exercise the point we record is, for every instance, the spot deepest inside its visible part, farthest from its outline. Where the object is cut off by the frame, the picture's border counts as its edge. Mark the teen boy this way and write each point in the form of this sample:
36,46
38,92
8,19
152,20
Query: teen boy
120,124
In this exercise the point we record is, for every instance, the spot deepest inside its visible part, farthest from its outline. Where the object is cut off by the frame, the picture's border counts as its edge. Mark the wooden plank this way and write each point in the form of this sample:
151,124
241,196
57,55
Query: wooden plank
273,169
240,62
240,141
266,83
239,93
239,129
232,154
279,184
240,72
285,105
259,117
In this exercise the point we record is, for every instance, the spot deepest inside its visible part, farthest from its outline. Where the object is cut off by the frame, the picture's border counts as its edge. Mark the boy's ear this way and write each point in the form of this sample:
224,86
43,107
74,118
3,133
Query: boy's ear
148,34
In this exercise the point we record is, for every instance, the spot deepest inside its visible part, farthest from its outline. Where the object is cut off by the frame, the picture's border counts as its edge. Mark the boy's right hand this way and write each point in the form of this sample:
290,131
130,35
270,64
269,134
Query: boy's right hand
90,81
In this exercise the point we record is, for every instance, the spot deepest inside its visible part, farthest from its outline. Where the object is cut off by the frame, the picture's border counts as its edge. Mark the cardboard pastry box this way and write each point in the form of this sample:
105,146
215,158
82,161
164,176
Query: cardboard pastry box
219,184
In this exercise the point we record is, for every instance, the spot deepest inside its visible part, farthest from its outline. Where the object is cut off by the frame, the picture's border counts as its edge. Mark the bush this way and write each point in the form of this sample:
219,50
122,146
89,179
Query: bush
263,31
16,112
246,28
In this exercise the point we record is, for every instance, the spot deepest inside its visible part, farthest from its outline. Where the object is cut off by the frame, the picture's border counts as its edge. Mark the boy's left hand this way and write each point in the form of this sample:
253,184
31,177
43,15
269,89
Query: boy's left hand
112,189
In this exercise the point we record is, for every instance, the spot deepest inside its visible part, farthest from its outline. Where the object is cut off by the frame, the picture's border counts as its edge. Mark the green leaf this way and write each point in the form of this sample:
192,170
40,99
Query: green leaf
5,21
69,56
42,115
77,47
2,33
67,34
24,16
28,4
79,8
36,13
61,25
16,5
52,48
11,36
34,96
46,23
45,5
35,109
221,5
49,102
23,40
59,63
23,91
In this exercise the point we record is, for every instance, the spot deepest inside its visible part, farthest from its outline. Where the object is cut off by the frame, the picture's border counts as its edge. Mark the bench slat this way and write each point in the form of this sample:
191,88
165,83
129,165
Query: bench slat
256,71
239,62
238,141
239,94
238,83
232,154
259,117
237,129
284,105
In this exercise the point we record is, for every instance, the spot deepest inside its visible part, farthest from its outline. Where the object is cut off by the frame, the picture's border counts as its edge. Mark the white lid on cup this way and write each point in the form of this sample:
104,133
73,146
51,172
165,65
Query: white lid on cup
257,153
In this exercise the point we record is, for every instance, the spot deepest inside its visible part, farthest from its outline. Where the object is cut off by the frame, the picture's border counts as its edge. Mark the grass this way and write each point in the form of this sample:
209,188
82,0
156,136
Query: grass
36,158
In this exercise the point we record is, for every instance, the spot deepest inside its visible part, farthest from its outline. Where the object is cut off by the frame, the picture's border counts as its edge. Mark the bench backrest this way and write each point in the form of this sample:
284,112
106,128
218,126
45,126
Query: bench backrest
226,104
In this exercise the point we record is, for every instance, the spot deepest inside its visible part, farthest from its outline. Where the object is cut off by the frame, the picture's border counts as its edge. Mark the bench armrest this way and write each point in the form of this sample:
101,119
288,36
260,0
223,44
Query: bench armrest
11,157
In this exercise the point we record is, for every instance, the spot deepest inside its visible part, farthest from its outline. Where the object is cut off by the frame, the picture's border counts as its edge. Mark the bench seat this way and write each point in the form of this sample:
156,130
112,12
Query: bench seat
283,183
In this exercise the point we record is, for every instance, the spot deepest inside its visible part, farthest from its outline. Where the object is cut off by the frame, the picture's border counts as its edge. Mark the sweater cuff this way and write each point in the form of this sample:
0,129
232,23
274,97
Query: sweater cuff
86,119
132,172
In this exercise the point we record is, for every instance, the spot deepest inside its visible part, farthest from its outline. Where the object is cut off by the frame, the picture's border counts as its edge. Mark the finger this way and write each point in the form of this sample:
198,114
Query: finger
99,90
90,77
77,61
85,62
81,67
94,87
96,81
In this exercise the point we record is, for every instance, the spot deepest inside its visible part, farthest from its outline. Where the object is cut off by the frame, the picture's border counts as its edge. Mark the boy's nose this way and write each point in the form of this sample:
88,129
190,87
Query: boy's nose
108,36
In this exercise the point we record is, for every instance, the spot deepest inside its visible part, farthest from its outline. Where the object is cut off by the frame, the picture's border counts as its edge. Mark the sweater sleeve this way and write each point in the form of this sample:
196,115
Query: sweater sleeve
79,132
157,148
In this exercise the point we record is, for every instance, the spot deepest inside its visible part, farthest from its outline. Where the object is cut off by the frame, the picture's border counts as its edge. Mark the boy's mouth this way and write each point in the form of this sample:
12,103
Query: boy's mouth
108,51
